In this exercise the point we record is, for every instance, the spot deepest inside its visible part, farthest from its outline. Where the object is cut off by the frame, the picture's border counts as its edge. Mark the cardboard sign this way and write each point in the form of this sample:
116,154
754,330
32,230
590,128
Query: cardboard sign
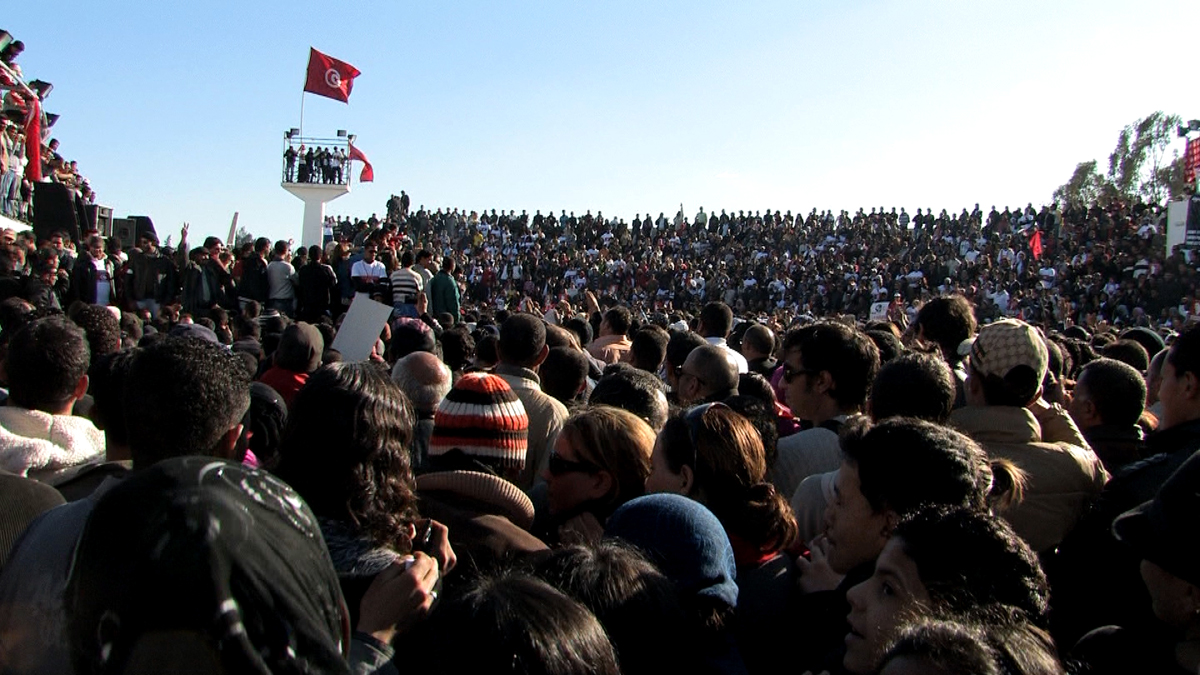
879,311
361,328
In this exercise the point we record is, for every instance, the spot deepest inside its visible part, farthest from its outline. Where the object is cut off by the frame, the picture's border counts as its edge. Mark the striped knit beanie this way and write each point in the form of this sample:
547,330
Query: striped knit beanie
482,417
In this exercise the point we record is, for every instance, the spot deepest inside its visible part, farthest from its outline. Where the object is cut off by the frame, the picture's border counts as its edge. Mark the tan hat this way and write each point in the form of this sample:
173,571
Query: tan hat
1004,345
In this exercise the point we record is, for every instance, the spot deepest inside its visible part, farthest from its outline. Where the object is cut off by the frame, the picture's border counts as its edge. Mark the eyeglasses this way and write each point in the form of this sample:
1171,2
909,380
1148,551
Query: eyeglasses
695,377
790,373
694,419
559,466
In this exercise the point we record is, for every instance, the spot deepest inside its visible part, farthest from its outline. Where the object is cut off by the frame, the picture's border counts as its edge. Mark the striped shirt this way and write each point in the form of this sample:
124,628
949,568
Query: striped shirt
406,284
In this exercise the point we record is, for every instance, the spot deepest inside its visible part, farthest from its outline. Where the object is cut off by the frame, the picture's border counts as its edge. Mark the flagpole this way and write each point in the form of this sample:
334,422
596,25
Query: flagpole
302,88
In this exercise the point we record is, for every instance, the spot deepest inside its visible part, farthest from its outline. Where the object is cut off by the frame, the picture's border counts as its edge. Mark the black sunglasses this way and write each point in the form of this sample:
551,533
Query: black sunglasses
790,373
559,466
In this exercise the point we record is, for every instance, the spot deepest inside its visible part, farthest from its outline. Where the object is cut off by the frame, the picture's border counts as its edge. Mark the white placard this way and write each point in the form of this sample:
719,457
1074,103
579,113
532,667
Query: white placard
361,328
879,311
1176,224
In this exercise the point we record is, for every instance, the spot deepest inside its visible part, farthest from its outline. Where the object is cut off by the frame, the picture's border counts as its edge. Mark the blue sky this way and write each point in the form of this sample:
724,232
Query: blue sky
177,110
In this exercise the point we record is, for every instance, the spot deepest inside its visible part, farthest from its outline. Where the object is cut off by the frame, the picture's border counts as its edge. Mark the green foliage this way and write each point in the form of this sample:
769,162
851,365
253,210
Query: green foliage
1137,167
1084,188
243,236
1135,164
1173,176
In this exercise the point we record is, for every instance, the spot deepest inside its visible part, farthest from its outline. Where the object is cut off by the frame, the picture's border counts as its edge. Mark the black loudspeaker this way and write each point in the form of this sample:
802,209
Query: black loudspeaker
54,210
99,218
143,225
124,230
1191,237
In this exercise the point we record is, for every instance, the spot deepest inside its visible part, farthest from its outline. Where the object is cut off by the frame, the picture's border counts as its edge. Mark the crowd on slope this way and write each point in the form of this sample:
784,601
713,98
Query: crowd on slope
1090,266
580,479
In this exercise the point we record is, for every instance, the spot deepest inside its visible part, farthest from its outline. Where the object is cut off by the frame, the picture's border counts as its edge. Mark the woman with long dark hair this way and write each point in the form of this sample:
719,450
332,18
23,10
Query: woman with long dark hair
345,451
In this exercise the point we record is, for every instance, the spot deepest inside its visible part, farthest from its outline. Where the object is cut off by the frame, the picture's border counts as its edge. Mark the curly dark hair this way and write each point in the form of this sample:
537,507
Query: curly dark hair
345,451
46,360
181,396
102,328
968,558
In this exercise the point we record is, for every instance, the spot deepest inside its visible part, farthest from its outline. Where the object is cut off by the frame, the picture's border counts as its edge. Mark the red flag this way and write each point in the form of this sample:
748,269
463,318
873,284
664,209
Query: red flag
33,140
1035,244
1191,163
329,77
368,174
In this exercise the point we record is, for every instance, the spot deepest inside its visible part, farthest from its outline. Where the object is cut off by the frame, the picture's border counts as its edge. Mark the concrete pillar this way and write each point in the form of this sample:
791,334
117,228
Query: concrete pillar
314,196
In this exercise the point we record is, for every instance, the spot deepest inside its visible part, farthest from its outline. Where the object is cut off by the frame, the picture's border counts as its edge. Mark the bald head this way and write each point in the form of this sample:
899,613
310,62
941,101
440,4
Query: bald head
714,374
423,378
758,342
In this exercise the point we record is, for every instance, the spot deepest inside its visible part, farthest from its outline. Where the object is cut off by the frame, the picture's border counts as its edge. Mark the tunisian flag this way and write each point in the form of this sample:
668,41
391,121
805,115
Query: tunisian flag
1035,244
368,174
329,77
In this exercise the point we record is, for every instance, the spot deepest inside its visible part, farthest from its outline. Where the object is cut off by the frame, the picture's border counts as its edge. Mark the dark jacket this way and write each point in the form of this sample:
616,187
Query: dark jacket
1116,447
254,284
765,366
151,277
1095,580
206,286
83,280
443,295
317,292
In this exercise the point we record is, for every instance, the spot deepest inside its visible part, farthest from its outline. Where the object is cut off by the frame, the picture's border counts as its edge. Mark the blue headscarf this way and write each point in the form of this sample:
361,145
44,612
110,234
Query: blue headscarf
684,539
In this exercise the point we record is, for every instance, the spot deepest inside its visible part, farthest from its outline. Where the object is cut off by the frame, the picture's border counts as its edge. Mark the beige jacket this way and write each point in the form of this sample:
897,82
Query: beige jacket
546,417
1063,475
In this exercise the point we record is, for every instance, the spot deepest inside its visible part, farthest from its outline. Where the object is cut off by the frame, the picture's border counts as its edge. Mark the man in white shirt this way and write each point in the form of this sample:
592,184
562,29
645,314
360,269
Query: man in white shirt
281,280
366,273
1047,274
716,321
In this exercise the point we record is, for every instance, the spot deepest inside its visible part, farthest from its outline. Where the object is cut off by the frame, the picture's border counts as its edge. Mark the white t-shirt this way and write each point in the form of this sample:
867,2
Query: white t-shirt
1047,274
373,270
103,282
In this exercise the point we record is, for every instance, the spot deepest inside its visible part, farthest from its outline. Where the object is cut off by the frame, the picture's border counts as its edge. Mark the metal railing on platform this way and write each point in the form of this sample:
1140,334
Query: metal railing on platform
316,161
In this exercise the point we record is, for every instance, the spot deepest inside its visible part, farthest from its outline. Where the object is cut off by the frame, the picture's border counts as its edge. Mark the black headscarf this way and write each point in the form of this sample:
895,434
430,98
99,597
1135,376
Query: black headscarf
268,417
226,554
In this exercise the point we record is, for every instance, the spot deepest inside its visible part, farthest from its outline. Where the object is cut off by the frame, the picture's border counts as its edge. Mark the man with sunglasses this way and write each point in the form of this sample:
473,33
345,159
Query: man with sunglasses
828,368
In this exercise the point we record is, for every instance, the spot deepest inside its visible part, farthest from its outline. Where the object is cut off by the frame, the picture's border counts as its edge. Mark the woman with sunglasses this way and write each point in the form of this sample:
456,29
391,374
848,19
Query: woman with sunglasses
600,461
716,457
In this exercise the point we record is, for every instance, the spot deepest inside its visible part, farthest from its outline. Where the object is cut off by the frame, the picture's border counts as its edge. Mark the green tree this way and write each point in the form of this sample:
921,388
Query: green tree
243,235
1135,165
1173,177
1084,188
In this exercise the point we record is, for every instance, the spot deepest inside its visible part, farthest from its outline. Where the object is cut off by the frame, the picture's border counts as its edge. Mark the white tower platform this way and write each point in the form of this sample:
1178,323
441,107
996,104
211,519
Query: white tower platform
309,182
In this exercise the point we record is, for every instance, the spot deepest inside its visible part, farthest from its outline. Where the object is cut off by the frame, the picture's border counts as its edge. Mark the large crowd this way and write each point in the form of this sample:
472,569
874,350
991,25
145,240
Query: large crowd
855,443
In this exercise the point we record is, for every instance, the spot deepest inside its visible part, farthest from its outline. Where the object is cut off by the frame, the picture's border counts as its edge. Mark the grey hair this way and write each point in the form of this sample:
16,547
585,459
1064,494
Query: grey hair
423,395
